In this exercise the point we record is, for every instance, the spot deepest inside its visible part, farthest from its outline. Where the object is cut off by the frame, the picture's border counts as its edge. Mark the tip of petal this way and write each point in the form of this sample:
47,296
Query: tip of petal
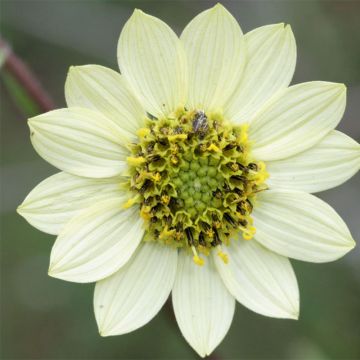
103,333
339,88
19,209
287,27
281,25
342,87
352,244
72,68
23,210
75,69
138,13
57,273
294,315
106,332
52,271
33,121
219,8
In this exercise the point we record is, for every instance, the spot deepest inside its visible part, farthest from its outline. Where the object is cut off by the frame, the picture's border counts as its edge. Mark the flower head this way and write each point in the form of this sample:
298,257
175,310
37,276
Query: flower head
190,174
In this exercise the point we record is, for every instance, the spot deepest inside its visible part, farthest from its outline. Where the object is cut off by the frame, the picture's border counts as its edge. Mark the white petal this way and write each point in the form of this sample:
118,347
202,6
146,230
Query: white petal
152,60
300,226
335,159
96,243
296,119
216,54
131,297
203,306
270,66
79,141
260,279
52,203
102,89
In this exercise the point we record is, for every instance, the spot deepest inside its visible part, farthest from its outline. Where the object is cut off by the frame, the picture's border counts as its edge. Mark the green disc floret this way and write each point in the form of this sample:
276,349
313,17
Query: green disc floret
194,180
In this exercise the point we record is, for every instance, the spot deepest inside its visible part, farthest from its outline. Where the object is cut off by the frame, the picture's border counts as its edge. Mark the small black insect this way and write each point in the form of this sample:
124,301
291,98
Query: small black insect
200,123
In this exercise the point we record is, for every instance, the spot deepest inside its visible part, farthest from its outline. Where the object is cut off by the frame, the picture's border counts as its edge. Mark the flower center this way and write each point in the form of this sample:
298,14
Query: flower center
195,181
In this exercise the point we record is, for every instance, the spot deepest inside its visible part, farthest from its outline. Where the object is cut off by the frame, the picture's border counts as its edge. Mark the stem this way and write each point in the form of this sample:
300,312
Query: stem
14,65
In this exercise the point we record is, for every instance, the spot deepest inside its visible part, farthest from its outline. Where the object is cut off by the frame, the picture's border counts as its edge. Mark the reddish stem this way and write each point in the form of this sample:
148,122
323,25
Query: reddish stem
14,65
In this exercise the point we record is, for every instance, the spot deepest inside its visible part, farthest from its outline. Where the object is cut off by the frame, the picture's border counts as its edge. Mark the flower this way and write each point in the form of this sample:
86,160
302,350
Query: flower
191,173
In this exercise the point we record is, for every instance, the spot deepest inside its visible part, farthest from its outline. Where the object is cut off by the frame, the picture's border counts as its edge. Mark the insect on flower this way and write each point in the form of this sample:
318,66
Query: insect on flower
200,123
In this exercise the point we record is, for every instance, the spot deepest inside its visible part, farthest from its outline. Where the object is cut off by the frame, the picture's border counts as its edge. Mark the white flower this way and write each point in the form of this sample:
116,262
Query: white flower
164,166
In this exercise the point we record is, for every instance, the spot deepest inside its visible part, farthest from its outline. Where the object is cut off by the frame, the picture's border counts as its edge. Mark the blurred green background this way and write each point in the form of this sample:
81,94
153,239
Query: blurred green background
44,318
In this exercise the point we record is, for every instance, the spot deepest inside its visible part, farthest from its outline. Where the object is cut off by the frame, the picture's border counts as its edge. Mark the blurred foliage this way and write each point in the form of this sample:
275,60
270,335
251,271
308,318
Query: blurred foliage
44,318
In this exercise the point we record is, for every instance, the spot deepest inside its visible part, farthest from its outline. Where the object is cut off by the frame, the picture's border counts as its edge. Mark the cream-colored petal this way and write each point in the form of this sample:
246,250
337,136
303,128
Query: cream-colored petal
216,55
260,279
96,243
296,119
57,199
102,89
152,60
269,68
80,141
132,296
203,306
335,159
300,226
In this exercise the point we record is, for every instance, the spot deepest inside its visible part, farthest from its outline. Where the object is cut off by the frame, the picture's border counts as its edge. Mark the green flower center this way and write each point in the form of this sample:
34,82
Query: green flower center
195,181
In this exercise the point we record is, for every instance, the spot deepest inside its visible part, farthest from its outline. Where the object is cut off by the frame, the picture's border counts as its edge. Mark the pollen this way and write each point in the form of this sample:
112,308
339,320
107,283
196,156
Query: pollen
135,160
224,257
130,202
195,181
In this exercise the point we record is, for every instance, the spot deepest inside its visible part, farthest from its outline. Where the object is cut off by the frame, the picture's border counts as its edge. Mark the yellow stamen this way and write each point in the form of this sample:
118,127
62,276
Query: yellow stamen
130,202
174,148
210,233
204,250
248,233
135,161
177,137
145,212
143,132
244,133
247,236
156,177
165,199
213,147
196,258
166,233
174,159
234,167
224,257
261,166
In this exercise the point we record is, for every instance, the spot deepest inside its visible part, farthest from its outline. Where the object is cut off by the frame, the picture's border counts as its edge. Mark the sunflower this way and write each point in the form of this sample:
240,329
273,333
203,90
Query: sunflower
190,173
